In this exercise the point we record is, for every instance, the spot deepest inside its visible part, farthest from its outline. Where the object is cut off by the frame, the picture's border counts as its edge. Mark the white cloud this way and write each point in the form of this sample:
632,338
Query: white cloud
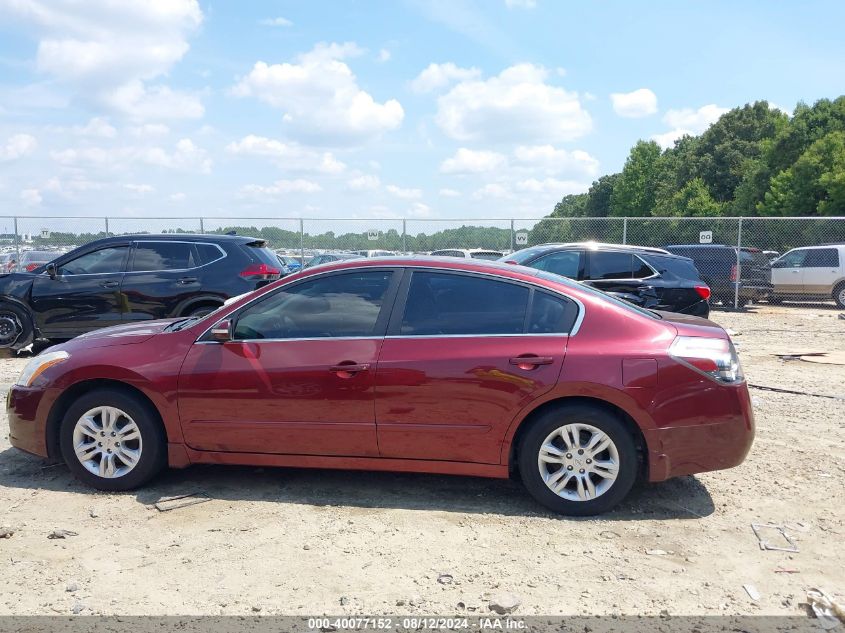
467,161
280,187
553,161
140,189
320,97
687,121
551,186
516,105
149,129
185,156
31,197
407,194
288,155
96,127
437,76
492,190
18,146
634,105
695,120
364,182
105,51
520,4
177,196
276,22
384,55
449,193
419,210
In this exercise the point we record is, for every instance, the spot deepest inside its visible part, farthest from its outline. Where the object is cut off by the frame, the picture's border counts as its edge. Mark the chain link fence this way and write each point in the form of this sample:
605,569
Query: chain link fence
24,240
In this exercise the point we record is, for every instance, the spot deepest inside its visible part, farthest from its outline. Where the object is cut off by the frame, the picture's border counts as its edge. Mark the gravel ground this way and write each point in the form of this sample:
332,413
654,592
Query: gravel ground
284,541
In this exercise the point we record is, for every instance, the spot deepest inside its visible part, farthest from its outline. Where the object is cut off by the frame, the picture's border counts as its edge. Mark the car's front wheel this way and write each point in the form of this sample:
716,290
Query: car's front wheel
578,460
839,295
112,440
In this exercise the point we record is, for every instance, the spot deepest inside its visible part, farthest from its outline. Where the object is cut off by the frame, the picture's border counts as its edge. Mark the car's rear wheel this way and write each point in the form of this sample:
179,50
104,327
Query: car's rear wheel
839,295
202,311
112,440
578,460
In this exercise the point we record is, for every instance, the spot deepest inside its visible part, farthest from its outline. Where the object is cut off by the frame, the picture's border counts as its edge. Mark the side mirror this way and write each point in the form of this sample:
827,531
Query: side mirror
52,270
222,331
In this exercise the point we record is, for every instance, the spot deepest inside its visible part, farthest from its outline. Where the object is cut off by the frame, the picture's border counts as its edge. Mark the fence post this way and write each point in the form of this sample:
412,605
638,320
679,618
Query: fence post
738,264
512,235
107,226
301,243
404,235
624,230
202,227
17,245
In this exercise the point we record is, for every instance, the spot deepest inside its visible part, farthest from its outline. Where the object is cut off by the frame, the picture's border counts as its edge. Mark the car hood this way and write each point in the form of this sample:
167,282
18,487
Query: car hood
128,334
688,325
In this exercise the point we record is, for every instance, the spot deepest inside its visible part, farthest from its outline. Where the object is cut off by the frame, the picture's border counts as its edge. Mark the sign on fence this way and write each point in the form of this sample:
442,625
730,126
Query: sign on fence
521,238
372,235
705,237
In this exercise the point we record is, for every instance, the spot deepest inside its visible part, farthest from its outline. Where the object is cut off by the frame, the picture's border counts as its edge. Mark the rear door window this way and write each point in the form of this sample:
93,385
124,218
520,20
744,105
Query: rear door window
154,256
451,304
563,263
610,265
822,258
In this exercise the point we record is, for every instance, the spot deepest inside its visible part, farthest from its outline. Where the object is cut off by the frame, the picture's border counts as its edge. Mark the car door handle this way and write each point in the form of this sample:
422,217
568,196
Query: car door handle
109,284
187,280
530,361
347,370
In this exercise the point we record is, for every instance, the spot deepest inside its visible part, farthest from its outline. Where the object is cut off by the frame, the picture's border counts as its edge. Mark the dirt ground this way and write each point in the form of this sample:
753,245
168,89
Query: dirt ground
283,541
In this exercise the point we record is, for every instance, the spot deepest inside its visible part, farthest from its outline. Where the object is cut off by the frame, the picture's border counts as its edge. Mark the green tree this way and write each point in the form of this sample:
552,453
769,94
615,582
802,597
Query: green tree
597,204
634,192
694,200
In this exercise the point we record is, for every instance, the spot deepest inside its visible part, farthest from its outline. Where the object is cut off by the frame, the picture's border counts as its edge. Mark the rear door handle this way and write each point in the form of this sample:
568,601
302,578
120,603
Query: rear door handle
347,370
109,284
187,280
531,361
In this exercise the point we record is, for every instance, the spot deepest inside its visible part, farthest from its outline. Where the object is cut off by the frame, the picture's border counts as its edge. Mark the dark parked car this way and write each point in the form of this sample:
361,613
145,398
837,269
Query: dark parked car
289,264
647,277
717,265
30,260
418,365
130,278
326,258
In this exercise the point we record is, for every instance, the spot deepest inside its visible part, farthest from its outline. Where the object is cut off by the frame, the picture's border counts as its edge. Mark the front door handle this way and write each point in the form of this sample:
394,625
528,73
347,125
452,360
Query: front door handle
109,284
348,369
187,280
530,361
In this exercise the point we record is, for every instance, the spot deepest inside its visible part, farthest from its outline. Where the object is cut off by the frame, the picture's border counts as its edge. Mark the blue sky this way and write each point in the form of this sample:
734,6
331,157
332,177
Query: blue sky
440,109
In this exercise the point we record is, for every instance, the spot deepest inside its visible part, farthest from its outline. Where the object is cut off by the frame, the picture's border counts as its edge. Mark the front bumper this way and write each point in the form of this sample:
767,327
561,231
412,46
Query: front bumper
27,428
719,442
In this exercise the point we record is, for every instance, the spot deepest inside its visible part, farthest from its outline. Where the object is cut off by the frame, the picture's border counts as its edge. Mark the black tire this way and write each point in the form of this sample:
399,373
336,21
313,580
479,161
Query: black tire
152,439
839,295
201,311
16,329
610,425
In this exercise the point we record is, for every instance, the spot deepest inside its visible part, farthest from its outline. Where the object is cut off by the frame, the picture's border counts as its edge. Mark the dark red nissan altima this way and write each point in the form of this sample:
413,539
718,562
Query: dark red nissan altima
426,365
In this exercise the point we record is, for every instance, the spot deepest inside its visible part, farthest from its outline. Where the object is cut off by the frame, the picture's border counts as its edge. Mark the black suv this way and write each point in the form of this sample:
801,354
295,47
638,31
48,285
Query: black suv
717,265
647,277
130,278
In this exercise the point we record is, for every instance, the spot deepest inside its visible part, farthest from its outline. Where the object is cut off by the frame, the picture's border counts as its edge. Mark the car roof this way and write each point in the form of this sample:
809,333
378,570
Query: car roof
804,248
604,246
214,238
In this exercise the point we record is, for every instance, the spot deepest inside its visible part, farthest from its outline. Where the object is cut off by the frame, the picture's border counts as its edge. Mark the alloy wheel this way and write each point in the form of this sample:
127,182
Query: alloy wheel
578,462
107,442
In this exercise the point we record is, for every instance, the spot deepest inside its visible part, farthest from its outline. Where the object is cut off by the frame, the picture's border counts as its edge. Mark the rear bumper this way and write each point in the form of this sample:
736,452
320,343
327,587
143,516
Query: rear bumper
27,429
712,445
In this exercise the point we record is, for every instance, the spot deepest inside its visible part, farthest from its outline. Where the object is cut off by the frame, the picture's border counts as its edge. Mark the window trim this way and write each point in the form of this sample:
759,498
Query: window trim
134,245
394,326
380,327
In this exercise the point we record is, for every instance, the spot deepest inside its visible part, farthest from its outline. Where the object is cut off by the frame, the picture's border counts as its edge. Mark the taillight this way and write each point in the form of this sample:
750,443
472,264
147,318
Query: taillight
733,272
703,292
714,357
510,261
31,267
260,272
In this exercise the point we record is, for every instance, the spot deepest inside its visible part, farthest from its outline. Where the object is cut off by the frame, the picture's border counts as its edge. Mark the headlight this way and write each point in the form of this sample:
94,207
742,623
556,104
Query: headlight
38,365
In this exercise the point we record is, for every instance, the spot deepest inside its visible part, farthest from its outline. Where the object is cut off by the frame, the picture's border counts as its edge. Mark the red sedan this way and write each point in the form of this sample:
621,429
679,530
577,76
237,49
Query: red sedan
423,365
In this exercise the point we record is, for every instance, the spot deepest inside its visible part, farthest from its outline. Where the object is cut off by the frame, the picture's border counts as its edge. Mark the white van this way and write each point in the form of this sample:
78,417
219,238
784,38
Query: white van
810,272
